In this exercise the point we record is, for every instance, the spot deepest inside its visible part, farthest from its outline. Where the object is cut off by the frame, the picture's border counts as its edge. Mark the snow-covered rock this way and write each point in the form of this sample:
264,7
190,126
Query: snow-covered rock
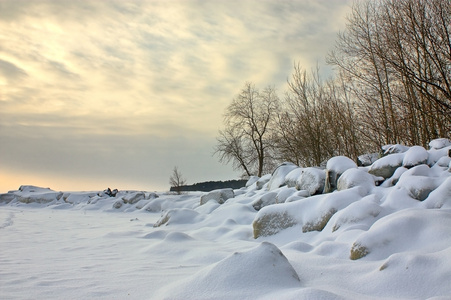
134,197
356,178
284,193
334,168
311,180
368,159
440,197
415,156
439,143
358,215
397,148
262,181
386,166
265,200
278,176
251,181
292,178
219,196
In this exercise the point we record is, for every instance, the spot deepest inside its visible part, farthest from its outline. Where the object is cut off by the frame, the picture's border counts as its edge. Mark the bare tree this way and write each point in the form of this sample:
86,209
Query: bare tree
176,180
317,121
246,139
396,56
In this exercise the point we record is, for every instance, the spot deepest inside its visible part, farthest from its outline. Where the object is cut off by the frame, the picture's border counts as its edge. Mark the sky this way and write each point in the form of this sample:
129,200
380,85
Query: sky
97,94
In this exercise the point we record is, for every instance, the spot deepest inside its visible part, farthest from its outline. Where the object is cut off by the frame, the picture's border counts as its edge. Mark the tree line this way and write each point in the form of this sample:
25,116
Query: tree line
392,85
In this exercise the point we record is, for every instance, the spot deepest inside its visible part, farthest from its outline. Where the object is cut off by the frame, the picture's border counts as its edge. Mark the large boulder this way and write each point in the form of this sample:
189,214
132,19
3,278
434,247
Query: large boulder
334,168
219,196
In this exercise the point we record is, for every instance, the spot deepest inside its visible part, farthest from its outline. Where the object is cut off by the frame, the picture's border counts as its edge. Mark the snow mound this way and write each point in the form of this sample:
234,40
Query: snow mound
410,230
250,274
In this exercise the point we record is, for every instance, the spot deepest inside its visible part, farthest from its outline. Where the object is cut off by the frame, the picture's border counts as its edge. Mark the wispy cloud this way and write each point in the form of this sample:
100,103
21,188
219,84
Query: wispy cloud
161,69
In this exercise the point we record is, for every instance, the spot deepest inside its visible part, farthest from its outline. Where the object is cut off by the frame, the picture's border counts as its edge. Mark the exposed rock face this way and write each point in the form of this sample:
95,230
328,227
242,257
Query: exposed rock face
219,196
319,223
272,223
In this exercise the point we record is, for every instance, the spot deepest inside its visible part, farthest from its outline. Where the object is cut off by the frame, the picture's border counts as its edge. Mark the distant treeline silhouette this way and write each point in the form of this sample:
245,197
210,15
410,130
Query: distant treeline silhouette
211,185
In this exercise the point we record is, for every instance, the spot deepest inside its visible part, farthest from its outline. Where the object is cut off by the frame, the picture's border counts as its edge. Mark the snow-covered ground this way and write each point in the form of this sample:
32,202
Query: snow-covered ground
383,233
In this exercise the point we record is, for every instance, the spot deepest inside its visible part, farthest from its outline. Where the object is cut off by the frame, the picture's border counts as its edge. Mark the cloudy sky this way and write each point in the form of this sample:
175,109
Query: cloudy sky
97,94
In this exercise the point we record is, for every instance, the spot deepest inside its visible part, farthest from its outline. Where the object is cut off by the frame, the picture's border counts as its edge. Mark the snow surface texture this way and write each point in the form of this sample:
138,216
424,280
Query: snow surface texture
383,233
